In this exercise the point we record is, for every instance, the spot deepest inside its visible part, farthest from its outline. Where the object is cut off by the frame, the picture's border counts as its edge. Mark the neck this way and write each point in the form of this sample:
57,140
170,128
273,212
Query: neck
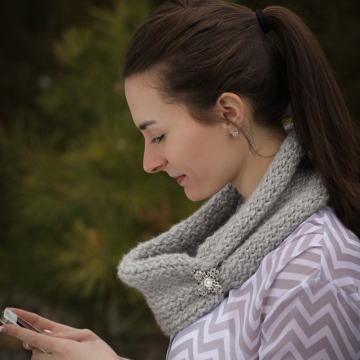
266,147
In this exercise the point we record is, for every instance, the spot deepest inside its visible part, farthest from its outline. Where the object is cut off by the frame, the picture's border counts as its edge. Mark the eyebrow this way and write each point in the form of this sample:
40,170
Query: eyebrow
146,123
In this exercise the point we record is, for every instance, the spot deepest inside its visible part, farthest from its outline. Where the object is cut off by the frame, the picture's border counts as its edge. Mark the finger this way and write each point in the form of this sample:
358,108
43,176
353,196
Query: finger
40,322
77,335
35,340
48,332
27,346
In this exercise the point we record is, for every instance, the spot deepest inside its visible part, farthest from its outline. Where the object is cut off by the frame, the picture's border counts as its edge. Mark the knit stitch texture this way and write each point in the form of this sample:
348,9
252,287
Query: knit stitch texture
216,236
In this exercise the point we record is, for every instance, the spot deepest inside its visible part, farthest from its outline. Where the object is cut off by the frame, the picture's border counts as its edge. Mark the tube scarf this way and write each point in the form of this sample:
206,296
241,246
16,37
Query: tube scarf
188,270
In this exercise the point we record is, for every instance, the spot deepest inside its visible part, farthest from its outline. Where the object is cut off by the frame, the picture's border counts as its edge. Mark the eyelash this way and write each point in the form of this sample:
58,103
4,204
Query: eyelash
158,140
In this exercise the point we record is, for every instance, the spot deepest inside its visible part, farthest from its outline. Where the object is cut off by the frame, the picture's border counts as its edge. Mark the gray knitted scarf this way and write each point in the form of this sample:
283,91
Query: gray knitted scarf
188,270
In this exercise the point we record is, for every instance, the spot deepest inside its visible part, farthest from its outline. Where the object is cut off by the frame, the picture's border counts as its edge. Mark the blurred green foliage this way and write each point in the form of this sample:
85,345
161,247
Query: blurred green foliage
77,196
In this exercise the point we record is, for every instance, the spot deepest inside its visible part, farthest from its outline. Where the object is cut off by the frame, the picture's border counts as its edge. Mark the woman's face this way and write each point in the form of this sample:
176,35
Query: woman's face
202,159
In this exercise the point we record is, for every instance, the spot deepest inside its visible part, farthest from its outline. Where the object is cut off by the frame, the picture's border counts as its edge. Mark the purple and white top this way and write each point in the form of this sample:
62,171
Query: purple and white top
303,302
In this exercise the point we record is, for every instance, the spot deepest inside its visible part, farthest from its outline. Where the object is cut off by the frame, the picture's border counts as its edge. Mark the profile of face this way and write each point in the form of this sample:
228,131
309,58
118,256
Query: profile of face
201,158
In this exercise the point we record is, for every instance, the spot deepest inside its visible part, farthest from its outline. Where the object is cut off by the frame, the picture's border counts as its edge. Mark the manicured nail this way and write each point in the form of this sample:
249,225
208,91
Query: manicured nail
48,332
3,330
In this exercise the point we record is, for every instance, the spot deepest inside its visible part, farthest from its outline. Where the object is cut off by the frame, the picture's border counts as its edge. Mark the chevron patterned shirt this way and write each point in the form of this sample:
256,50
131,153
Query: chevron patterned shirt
303,302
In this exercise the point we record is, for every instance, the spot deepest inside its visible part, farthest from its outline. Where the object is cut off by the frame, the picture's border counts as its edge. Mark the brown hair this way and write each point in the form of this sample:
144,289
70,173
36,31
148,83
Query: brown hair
200,49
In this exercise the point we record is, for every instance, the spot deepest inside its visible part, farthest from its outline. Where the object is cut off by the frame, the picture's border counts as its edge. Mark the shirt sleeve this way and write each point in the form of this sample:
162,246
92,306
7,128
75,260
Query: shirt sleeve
315,320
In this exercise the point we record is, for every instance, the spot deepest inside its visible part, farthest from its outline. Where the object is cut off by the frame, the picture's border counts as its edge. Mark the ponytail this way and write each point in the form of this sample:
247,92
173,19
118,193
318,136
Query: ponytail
326,130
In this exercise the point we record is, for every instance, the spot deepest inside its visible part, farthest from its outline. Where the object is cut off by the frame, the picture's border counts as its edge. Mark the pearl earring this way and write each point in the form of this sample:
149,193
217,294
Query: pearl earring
235,134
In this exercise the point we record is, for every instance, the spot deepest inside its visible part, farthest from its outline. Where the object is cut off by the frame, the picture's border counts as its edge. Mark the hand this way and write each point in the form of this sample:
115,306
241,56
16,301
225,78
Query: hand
64,342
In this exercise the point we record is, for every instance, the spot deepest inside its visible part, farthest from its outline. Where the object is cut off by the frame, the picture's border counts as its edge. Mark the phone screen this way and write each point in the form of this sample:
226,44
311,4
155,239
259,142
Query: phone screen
8,317
21,322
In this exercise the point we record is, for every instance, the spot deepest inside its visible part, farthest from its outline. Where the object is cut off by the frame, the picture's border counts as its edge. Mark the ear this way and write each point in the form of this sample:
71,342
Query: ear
232,108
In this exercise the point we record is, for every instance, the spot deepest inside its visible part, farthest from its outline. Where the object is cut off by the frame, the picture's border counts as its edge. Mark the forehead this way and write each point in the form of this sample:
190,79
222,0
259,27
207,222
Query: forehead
140,88
142,97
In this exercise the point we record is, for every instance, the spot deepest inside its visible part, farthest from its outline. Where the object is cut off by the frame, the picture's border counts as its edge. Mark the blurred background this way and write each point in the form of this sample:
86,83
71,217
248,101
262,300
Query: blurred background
74,197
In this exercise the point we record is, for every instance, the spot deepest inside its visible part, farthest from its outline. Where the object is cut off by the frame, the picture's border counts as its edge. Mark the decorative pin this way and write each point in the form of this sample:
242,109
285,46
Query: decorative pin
208,281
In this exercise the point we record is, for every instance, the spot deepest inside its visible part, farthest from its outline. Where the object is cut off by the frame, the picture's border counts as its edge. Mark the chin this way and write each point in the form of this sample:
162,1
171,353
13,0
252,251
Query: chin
198,196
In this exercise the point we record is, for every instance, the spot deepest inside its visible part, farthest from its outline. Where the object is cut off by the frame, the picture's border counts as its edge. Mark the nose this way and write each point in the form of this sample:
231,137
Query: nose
153,161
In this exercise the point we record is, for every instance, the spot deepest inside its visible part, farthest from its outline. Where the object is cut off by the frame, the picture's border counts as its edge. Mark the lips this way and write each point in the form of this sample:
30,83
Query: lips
180,178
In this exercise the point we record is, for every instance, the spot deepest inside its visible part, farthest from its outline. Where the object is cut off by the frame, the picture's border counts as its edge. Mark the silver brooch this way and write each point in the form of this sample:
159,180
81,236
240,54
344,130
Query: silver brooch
208,281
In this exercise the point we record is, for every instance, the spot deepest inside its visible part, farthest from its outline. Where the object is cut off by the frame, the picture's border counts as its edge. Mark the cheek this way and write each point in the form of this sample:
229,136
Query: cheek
202,152
211,151
186,151
209,158
197,154
219,162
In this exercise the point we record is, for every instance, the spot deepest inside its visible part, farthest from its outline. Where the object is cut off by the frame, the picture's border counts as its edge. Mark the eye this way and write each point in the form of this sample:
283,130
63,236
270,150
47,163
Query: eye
158,140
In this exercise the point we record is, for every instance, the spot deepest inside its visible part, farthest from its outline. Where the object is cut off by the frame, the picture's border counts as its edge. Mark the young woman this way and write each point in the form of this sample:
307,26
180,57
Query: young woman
269,267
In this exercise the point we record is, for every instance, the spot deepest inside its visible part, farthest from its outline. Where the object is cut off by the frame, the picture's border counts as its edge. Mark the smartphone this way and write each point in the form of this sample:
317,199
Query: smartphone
9,317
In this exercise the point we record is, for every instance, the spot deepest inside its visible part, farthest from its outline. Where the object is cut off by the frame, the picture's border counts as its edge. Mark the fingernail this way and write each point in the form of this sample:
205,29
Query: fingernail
27,346
48,332
3,330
